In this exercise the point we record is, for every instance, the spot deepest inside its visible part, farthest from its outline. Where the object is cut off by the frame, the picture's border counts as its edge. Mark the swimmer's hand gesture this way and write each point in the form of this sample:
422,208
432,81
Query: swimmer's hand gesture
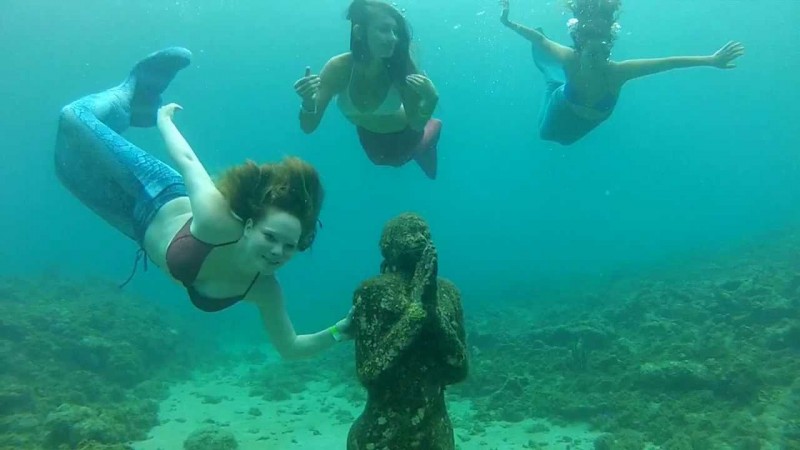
422,86
723,58
504,12
345,326
166,112
307,88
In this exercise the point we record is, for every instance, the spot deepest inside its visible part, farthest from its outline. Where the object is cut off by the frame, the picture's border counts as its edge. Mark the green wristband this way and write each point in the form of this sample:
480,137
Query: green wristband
337,335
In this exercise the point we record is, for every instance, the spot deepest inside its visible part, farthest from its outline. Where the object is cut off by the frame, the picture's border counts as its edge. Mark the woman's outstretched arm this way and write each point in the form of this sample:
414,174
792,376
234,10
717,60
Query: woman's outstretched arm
555,50
721,59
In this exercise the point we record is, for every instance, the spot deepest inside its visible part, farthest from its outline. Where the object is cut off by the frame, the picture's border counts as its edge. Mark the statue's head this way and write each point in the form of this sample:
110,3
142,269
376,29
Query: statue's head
403,242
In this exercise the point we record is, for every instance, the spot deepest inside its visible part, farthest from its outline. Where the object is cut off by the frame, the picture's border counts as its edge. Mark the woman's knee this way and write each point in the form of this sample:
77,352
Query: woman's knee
68,118
67,148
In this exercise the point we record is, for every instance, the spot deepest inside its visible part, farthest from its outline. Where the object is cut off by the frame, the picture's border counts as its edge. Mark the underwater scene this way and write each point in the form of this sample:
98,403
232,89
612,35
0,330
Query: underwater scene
377,225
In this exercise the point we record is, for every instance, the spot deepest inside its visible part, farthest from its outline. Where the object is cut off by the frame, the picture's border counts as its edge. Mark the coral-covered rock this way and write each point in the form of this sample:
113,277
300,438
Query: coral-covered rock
81,364
211,438
675,376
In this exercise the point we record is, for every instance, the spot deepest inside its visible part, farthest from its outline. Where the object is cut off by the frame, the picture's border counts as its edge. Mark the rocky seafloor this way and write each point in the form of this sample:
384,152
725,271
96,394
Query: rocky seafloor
84,365
700,354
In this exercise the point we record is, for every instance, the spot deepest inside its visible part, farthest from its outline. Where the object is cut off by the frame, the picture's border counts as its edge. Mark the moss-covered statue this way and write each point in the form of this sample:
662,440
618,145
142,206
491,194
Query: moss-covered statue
410,344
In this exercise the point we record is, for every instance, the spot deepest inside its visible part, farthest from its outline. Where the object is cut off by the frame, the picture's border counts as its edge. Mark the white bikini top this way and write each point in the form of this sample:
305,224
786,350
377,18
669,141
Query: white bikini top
391,105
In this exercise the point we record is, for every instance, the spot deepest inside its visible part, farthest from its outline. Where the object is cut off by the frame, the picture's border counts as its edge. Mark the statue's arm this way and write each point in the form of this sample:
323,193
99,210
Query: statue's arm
382,337
449,320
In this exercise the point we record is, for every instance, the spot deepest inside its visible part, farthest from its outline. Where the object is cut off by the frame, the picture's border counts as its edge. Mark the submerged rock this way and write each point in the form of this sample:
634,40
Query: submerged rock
211,438
675,375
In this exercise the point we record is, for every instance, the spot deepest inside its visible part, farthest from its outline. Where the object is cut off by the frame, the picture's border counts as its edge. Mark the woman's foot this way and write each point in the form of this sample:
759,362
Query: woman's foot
149,78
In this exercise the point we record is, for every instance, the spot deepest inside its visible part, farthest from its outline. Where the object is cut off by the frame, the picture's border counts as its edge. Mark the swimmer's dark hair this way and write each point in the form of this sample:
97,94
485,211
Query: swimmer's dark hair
596,20
400,64
291,185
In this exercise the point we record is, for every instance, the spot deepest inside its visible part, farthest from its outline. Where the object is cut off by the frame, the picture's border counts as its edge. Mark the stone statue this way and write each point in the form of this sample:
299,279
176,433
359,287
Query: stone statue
410,344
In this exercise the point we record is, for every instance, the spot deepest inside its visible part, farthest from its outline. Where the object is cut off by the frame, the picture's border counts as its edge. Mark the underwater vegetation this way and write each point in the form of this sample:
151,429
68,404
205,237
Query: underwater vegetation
704,354
703,357
698,355
82,365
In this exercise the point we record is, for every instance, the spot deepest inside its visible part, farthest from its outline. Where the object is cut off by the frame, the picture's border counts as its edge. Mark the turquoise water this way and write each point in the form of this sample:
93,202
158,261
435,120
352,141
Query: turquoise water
692,162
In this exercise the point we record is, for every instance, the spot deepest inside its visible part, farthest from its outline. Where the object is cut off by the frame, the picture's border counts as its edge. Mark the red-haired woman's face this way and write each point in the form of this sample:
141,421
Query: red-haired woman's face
272,240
